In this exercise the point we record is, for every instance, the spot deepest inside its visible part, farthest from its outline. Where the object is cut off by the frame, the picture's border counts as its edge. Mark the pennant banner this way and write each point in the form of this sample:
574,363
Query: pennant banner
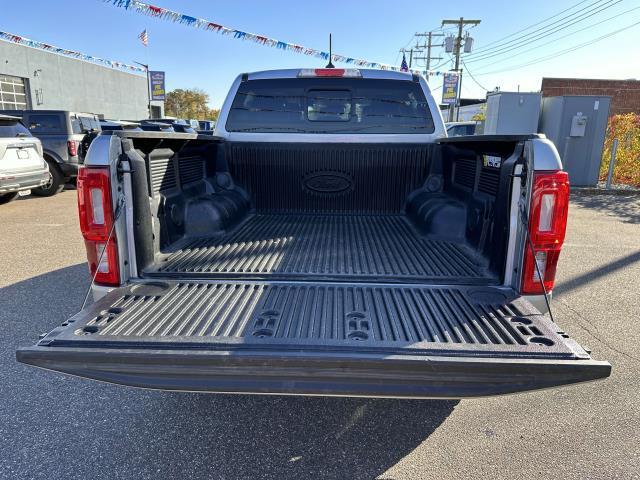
11,37
170,15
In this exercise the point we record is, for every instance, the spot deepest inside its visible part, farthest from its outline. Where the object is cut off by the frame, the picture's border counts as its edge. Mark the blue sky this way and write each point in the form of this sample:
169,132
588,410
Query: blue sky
373,29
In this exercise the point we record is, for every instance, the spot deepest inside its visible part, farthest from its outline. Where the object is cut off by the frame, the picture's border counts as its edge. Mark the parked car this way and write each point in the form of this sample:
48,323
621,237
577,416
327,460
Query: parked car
106,125
168,120
22,167
65,137
178,124
327,240
154,126
206,125
459,129
193,123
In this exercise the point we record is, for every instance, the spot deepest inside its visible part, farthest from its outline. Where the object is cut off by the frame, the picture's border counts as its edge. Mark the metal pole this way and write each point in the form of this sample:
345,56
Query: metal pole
612,162
146,67
458,45
148,92
429,51
457,67
459,97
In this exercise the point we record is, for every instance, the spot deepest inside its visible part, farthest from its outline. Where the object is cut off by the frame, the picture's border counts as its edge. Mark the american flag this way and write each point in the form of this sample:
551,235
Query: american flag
144,37
404,67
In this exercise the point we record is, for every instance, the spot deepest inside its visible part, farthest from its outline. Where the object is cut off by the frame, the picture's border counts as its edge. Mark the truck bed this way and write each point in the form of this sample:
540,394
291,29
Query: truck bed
332,247
366,270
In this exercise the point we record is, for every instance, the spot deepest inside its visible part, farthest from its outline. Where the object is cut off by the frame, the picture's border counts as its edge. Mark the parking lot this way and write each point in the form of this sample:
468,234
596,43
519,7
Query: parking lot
53,426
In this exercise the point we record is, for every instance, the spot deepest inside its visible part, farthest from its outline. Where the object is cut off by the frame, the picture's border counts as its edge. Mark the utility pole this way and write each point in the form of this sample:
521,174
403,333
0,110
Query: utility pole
403,51
461,23
427,46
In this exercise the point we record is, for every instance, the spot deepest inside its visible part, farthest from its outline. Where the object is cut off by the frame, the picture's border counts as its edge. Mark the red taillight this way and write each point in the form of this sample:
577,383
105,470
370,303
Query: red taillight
72,146
547,226
330,72
95,209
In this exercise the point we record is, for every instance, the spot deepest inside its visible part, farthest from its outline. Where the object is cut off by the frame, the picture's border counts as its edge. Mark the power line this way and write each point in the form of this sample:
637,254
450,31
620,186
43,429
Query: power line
541,35
428,45
561,52
472,77
450,59
400,51
588,8
549,28
531,26
572,33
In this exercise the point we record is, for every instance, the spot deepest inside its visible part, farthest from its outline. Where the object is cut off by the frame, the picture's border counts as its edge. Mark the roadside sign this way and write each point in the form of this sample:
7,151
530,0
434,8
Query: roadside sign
450,88
157,85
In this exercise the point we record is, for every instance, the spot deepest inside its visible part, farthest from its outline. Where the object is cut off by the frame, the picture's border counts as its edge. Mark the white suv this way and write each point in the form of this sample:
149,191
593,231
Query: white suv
22,166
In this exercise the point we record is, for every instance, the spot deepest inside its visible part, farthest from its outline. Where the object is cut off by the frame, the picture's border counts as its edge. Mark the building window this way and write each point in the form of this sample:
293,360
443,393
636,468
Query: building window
13,93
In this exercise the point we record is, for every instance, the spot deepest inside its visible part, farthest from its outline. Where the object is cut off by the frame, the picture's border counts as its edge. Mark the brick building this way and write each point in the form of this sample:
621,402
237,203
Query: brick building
625,94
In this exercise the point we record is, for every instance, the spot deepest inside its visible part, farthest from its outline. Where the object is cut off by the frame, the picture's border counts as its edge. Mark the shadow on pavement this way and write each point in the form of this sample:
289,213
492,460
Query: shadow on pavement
624,206
597,273
64,427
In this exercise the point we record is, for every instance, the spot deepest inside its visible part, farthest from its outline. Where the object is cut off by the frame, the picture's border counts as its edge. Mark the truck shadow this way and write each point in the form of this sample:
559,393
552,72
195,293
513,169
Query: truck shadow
151,434
625,206
240,436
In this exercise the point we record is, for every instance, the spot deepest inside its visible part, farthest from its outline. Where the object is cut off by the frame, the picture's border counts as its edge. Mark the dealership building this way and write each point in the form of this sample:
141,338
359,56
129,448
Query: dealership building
37,79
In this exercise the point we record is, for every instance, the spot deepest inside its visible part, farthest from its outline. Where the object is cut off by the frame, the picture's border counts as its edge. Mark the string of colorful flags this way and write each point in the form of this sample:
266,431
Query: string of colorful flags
12,37
201,23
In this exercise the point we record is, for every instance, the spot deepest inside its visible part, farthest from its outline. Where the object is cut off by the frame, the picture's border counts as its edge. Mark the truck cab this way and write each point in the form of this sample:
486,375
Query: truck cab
328,239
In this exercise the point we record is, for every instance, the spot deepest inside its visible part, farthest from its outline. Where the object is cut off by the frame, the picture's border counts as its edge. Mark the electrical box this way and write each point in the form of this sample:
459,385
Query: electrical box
577,125
512,113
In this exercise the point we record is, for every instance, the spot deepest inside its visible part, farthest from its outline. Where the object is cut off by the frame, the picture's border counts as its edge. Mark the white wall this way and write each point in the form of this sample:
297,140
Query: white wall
76,85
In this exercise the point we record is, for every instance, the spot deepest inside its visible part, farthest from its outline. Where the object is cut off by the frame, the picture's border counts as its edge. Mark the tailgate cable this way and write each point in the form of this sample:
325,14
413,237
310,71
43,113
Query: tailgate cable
525,221
119,208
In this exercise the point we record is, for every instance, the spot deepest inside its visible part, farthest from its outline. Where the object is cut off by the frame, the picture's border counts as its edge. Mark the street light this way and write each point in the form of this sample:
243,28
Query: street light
146,67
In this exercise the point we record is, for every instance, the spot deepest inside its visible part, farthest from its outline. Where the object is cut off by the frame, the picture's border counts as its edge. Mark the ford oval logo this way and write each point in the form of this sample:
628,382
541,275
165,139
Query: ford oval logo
327,182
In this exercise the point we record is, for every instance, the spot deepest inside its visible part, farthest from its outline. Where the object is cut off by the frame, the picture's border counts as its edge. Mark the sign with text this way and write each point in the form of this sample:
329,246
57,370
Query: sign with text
450,88
157,85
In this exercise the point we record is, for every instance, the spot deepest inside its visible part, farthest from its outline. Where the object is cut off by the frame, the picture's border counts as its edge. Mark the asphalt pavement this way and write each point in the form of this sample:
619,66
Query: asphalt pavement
54,426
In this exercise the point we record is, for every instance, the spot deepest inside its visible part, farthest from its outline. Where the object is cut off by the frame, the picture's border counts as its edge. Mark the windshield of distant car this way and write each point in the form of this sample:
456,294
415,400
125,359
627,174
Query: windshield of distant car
330,105
461,130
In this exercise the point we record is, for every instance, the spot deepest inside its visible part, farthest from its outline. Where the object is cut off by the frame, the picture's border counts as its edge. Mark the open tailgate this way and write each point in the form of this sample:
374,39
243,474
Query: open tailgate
376,340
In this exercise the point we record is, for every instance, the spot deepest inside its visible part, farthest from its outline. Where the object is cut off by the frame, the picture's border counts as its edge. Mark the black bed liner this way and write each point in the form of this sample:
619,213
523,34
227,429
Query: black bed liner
339,247
330,338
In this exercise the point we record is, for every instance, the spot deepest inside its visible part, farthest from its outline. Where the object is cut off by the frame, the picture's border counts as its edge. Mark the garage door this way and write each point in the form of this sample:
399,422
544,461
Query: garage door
12,93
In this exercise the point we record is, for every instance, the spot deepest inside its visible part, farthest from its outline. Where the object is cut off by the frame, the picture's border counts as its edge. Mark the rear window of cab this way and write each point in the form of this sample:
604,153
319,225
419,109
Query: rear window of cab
330,105
13,128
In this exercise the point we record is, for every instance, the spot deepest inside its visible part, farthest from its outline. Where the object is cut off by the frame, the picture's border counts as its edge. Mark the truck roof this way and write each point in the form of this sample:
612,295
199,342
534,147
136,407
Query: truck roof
365,72
9,118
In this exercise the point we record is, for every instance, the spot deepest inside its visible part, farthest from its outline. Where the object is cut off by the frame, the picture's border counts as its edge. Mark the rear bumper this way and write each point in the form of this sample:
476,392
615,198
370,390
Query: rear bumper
70,169
309,373
23,181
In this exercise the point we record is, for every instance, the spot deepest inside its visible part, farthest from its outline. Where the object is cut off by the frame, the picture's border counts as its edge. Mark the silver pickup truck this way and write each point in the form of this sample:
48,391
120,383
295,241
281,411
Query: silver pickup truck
328,239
